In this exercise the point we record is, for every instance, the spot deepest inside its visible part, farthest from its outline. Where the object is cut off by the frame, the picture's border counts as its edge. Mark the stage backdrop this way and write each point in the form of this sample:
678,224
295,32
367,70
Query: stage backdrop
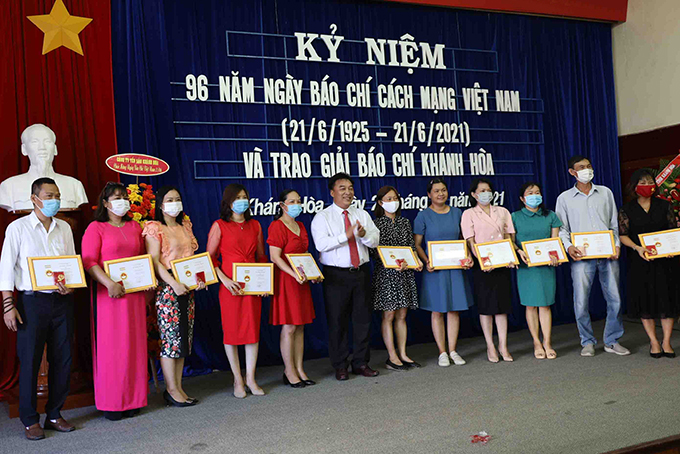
282,94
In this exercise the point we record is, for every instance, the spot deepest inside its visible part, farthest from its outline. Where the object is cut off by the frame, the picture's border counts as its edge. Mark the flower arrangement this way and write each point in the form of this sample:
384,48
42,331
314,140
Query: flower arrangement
668,180
142,202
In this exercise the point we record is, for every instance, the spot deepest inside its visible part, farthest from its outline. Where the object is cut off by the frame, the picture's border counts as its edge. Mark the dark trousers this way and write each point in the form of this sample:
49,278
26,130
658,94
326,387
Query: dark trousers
347,295
47,318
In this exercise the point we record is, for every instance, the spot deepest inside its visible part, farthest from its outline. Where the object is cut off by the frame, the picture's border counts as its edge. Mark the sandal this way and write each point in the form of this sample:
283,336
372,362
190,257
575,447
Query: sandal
551,354
539,353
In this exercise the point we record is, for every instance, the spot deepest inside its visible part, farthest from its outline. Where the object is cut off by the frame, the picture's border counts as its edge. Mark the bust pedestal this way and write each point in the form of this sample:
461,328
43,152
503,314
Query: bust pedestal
82,387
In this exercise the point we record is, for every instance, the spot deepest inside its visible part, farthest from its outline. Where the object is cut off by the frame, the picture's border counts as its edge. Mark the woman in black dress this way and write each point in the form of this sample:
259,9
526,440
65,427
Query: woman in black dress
394,290
653,285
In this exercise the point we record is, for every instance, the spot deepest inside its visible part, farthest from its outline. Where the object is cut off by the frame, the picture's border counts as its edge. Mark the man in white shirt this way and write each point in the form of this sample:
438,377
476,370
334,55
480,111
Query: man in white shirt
342,235
39,318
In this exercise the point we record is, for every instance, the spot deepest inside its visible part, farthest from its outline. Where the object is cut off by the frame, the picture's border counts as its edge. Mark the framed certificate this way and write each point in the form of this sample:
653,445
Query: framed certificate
661,244
496,254
447,255
594,245
134,273
539,252
254,278
305,266
394,256
191,270
47,271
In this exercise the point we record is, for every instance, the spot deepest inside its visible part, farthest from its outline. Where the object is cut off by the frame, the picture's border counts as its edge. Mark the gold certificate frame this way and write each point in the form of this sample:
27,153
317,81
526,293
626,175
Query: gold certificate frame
195,263
262,270
305,259
547,262
486,266
411,266
430,252
70,261
147,258
647,239
602,232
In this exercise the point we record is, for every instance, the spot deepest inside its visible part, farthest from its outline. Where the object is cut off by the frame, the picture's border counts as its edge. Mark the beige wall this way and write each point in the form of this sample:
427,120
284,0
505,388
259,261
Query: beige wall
647,66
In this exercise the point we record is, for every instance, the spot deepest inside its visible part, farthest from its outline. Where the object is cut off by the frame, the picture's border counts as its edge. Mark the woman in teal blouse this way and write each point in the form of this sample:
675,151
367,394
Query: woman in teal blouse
536,284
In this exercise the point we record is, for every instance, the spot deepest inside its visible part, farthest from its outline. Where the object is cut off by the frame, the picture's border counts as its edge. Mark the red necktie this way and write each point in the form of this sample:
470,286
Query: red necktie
353,250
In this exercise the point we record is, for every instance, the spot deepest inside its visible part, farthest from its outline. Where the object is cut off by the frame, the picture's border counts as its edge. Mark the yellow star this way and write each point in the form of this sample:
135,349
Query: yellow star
60,28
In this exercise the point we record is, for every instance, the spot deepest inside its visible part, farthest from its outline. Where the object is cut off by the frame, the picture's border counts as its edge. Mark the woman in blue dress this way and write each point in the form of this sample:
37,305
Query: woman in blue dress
443,291
536,284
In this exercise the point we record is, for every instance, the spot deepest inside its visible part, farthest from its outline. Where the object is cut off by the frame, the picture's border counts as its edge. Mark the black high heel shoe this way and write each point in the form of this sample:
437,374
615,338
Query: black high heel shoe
667,354
169,401
300,384
309,382
656,355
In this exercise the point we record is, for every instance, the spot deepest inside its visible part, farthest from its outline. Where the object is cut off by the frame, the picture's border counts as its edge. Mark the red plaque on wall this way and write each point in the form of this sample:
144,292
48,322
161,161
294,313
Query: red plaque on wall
140,165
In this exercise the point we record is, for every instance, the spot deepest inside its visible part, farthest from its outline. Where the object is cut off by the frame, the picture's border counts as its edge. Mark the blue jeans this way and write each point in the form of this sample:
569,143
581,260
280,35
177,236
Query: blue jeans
582,275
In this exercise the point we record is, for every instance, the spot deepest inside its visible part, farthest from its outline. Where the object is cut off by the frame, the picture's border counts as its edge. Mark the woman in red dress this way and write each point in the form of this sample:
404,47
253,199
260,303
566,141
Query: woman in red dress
118,319
237,238
292,304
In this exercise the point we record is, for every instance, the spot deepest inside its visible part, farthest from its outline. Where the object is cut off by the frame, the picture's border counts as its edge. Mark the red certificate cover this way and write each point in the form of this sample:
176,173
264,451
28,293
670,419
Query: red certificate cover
554,254
200,277
59,277
400,261
486,261
652,250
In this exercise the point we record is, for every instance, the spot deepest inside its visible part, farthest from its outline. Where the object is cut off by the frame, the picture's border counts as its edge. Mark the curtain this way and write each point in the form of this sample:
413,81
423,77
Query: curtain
70,93
563,69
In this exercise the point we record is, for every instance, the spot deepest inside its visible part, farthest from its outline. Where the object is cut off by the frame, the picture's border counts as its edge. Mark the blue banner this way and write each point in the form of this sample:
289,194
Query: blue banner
280,95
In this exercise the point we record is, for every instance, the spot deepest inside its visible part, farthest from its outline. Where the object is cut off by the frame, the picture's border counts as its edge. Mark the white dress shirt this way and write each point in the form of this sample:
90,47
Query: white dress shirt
328,232
26,237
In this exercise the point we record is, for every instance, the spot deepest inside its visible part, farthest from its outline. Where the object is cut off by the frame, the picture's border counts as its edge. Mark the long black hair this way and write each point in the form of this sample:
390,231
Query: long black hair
101,214
160,195
282,198
475,184
530,184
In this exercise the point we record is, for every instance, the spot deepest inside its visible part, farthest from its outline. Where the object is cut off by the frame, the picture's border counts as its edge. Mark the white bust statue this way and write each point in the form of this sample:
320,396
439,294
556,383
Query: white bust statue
38,143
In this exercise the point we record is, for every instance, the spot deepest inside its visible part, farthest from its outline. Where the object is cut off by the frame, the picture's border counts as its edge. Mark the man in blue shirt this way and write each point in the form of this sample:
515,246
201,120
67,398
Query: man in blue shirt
588,208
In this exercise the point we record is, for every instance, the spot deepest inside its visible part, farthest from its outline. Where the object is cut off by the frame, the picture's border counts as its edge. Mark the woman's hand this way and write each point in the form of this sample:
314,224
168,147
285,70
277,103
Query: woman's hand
233,287
402,266
420,266
201,286
116,290
429,267
554,261
469,263
300,280
523,256
511,265
642,252
179,289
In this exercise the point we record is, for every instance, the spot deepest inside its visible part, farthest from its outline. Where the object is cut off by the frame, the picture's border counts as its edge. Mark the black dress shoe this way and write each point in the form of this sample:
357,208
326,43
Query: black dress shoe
309,382
398,367
412,364
341,374
668,354
365,371
131,413
656,355
169,401
300,384
113,415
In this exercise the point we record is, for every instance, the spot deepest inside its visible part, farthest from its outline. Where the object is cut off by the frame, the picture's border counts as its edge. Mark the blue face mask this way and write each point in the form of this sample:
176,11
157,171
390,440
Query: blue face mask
294,210
485,198
533,200
50,207
240,206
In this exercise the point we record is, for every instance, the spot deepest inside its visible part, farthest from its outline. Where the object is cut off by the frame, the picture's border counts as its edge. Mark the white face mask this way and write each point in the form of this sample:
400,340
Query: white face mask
120,207
585,175
172,209
390,207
